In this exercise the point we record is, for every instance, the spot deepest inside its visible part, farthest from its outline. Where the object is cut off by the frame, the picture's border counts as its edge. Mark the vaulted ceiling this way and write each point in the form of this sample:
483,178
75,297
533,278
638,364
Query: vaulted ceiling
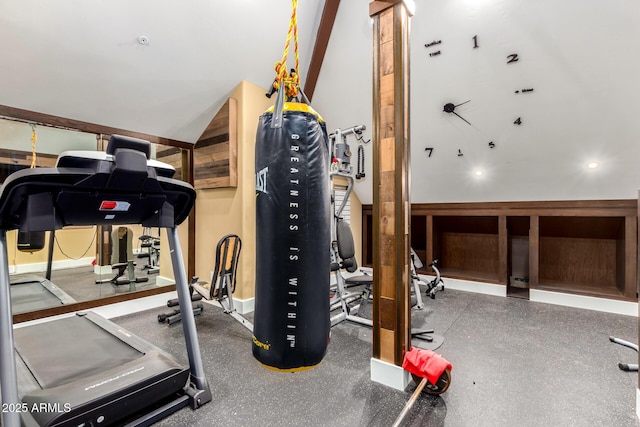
160,67
164,68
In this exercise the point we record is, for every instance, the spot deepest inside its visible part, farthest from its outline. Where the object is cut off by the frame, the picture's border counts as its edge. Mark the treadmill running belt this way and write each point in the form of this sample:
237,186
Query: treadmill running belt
63,350
31,296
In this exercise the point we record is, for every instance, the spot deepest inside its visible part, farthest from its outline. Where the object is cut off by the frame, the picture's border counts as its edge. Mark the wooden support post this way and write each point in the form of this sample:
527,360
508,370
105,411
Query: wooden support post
391,177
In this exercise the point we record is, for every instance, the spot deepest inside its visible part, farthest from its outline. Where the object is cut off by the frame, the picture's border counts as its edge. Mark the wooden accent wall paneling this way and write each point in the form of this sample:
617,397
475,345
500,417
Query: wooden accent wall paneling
503,254
473,253
172,156
584,247
597,266
534,244
216,152
630,251
430,241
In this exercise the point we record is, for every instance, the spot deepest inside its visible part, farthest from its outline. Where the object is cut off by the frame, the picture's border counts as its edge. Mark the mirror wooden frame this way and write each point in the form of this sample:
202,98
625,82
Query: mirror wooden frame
41,119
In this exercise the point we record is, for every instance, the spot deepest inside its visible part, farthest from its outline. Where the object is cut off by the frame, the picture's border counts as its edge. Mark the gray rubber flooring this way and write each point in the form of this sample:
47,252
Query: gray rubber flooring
515,363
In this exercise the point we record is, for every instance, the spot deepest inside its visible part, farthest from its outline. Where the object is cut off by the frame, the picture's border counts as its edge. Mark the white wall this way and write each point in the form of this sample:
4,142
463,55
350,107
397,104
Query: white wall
578,56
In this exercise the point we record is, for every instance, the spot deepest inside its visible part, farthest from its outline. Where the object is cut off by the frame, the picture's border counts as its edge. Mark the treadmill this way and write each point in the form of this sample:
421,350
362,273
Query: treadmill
84,370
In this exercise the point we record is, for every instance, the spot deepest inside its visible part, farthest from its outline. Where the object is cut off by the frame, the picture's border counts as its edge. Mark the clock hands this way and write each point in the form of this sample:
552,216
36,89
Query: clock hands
462,103
462,118
450,108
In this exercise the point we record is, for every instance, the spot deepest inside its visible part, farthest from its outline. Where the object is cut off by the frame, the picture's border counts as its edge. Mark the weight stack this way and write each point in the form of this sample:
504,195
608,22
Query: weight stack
293,238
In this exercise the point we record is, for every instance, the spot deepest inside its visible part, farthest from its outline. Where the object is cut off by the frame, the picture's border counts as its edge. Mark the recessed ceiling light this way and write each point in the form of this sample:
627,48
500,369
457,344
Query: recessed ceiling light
593,165
478,172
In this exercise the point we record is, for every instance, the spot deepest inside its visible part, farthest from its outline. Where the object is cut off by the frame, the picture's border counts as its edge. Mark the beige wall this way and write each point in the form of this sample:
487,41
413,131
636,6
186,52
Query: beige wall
356,225
232,210
73,241
222,211
76,242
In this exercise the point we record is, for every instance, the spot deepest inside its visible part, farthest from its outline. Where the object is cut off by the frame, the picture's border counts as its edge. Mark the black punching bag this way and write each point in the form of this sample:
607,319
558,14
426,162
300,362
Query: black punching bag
293,213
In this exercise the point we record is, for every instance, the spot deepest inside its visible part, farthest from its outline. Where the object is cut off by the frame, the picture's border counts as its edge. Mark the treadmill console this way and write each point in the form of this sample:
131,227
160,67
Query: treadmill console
119,186
92,159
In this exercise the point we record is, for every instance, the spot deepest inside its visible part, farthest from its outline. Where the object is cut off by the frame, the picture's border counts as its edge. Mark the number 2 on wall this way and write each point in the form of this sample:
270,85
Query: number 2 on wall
512,58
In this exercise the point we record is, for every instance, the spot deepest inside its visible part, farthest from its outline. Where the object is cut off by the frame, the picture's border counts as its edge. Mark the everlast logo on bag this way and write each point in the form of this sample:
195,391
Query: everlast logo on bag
261,180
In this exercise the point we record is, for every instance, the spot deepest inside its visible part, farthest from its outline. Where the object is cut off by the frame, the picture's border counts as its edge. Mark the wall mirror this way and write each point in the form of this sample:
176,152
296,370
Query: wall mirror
76,268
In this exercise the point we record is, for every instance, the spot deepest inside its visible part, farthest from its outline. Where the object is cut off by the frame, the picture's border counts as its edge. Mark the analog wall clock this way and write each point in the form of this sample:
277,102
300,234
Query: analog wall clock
461,108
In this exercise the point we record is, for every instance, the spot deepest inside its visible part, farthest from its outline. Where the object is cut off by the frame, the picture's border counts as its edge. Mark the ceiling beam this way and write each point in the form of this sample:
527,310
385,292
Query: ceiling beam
329,13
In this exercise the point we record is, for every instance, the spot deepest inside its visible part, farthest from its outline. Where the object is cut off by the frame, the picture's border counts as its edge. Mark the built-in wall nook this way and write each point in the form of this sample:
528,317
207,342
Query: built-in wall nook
574,247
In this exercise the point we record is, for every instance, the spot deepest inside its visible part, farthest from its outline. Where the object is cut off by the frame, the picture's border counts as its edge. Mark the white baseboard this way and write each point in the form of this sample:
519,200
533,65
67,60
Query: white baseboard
38,267
470,286
241,306
581,301
390,375
244,306
164,281
627,308
102,269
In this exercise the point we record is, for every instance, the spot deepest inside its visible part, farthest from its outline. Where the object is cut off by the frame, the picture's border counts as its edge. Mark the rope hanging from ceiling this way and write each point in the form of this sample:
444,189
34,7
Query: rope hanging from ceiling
34,139
291,80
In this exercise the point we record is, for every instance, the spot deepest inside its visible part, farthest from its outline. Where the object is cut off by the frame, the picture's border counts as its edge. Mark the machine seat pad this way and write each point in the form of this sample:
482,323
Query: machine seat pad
359,280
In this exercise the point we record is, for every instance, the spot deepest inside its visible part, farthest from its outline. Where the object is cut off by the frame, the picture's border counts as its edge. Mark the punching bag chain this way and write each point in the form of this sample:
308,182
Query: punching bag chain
290,81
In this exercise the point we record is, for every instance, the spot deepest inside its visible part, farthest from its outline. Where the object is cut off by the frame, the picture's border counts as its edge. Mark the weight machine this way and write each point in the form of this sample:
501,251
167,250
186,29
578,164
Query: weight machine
351,304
